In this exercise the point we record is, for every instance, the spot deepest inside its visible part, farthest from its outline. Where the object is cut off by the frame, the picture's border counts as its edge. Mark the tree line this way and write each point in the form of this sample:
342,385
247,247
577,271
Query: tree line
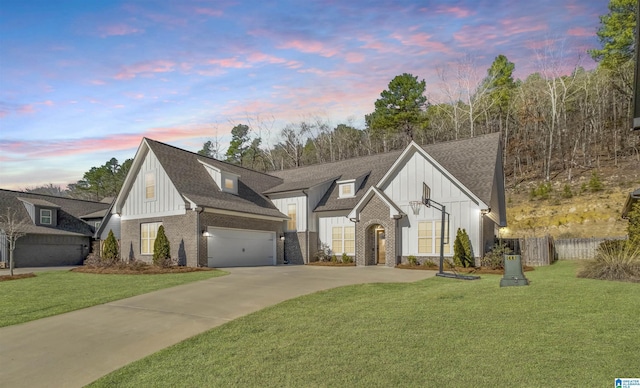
551,121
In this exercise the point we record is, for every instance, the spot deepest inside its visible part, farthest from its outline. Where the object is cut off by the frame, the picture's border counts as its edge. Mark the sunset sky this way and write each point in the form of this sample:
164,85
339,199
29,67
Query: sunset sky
83,81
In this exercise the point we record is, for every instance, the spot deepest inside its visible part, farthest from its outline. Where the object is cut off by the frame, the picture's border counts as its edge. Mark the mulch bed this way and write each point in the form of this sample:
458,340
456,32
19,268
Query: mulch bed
331,264
5,278
477,270
138,270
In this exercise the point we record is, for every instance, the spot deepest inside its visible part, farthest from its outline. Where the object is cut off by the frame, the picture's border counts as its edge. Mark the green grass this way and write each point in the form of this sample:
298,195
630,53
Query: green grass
57,292
558,331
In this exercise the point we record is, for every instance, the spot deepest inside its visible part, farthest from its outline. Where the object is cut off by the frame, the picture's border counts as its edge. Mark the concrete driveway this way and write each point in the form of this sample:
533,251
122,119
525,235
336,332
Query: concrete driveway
76,348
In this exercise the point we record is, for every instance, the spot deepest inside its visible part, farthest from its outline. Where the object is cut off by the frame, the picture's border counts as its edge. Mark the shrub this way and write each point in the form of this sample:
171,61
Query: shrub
494,259
334,259
346,259
161,249
323,254
566,192
110,248
614,261
462,250
430,264
542,191
412,260
595,184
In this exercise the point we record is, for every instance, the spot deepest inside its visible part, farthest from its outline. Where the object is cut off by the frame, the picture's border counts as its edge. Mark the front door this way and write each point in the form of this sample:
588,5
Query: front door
380,247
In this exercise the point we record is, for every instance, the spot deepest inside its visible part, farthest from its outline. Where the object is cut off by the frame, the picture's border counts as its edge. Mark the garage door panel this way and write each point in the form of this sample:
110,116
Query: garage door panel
240,248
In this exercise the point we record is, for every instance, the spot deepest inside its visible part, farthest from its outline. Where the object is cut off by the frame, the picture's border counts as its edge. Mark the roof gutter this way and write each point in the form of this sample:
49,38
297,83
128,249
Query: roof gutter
307,226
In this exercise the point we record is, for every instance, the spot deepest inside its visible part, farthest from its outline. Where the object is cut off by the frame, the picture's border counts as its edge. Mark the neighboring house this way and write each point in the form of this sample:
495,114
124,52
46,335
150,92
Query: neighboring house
219,214
58,230
633,198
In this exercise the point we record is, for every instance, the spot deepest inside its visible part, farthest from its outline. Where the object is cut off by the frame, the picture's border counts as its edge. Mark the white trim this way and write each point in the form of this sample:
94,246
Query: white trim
241,214
177,212
416,148
394,210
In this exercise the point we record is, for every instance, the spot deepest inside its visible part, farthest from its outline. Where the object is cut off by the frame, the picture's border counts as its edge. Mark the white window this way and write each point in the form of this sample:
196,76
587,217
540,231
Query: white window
291,212
97,224
343,239
150,185
148,233
45,216
347,190
429,238
229,184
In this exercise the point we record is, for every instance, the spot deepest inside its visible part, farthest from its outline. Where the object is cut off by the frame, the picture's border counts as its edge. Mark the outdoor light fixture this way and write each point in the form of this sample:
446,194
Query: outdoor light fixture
206,233
282,237
485,211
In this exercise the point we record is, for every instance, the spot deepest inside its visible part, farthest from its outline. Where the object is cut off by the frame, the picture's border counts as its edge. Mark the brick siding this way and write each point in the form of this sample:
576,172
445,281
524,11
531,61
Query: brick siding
375,212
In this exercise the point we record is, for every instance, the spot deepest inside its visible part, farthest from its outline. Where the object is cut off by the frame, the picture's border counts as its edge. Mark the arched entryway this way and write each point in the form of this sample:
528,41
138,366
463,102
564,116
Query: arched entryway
376,245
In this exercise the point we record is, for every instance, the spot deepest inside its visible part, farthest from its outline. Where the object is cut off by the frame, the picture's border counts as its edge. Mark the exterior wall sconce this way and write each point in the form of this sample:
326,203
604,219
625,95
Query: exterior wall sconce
282,237
485,211
206,233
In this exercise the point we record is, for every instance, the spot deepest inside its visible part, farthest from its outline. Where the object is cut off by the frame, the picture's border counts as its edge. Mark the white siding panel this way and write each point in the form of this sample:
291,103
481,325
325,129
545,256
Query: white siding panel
301,209
168,200
325,225
407,186
112,224
315,195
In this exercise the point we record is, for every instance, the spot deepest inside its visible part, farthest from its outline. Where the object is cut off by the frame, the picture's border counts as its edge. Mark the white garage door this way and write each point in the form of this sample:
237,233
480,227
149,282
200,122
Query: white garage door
240,248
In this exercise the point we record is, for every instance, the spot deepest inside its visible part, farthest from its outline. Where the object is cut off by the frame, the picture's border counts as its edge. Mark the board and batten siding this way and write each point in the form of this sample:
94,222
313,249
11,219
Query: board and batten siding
316,193
406,186
167,201
326,224
301,214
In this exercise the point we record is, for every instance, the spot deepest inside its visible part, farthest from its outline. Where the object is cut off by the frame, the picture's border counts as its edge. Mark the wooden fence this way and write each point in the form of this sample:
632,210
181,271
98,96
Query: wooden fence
535,251
538,251
580,248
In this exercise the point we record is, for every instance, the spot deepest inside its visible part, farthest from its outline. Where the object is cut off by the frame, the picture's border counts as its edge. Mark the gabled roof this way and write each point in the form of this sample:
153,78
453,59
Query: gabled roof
472,162
189,176
394,210
374,166
69,212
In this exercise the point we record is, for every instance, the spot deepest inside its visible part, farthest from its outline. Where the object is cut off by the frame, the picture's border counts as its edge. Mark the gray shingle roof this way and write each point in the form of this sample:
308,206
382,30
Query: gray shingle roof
472,161
69,212
192,181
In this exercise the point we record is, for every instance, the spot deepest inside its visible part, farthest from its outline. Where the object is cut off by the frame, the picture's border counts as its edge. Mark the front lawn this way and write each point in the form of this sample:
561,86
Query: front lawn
57,292
558,331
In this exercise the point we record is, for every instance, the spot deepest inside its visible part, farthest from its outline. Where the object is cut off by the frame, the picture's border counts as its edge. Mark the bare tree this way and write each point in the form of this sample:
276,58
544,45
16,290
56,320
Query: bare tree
12,227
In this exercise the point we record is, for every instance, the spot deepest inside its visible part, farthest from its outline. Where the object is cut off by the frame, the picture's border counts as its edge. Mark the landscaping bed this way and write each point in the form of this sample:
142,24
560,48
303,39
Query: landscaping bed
138,269
331,264
462,270
4,278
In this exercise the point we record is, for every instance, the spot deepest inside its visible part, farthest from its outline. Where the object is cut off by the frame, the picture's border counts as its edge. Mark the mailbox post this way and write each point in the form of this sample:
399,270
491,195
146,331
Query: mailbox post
513,275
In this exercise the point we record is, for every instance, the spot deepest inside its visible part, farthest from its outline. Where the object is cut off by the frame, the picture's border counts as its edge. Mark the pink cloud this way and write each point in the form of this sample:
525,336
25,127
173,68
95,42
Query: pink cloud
521,25
456,11
260,57
421,40
353,57
118,30
475,36
208,12
310,47
145,68
580,31
228,63
26,109
98,82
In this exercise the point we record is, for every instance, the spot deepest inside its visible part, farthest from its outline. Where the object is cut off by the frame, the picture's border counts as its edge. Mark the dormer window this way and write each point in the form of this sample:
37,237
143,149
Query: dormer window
347,189
45,216
229,184
226,181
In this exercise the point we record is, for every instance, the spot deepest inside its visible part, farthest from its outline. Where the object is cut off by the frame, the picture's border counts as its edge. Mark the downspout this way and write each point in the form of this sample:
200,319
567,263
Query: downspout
198,211
307,227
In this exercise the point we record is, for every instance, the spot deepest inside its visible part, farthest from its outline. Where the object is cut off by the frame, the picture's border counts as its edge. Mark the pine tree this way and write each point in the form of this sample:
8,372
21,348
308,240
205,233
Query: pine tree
468,250
458,249
161,248
110,248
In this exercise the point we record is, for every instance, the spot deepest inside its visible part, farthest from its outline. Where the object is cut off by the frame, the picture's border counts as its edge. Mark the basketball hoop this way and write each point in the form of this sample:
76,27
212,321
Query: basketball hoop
415,206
